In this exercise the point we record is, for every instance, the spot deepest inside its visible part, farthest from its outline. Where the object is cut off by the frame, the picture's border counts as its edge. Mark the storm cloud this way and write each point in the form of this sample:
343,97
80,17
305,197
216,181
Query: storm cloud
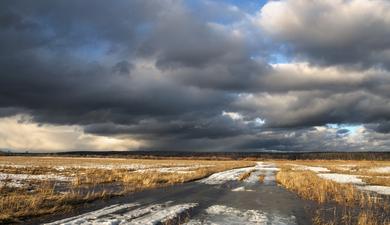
196,76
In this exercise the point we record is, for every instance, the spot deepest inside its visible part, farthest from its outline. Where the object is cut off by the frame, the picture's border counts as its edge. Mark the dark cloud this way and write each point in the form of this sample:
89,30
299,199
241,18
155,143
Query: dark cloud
383,127
315,108
329,32
198,76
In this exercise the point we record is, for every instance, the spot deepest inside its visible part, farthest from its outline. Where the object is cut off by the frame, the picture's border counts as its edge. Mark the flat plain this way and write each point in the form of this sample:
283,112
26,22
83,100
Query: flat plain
80,190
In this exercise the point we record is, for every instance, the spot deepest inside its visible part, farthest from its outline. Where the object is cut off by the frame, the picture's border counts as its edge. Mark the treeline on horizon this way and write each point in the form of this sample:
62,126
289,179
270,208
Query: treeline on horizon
219,155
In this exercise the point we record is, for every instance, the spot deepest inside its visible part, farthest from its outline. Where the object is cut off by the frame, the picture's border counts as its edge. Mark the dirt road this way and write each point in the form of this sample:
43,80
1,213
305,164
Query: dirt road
218,199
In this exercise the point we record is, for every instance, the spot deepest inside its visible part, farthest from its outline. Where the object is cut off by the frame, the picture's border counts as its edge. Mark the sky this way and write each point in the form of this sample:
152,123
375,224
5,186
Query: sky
195,75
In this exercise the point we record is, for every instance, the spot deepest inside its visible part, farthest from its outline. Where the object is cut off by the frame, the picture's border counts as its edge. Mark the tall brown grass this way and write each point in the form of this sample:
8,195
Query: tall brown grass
261,178
17,204
245,175
373,210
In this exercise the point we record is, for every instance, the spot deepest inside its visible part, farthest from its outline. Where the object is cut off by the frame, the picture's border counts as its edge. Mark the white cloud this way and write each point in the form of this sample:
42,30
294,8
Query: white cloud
18,133
233,115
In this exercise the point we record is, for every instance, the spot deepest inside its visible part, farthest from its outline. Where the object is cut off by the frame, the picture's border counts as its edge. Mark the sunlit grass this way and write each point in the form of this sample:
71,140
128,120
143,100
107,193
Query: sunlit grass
373,208
19,203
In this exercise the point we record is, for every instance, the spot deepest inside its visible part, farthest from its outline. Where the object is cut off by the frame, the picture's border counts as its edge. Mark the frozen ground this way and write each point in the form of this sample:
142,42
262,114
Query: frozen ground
221,214
225,176
18,180
232,175
342,178
242,188
130,214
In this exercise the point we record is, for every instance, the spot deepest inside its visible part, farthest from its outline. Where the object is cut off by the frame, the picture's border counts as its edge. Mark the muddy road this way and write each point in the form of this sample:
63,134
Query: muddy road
218,199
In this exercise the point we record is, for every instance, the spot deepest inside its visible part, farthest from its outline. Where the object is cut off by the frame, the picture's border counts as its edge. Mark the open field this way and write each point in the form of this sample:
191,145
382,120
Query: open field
245,192
347,192
32,186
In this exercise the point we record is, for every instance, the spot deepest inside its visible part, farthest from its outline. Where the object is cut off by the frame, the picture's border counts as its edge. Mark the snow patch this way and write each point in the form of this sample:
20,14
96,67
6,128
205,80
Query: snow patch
94,216
16,180
385,169
342,178
177,169
242,188
129,214
233,175
383,190
225,176
316,169
165,215
220,214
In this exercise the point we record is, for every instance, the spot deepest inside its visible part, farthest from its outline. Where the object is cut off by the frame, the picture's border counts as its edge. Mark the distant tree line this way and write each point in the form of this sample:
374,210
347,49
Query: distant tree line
219,155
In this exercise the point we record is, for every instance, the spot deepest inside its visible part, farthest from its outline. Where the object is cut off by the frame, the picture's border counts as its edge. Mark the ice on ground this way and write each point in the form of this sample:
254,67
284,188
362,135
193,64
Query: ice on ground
130,214
220,214
229,175
242,188
165,215
385,169
269,178
342,178
232,175
268,170
316,169
266,166
92,216
383,190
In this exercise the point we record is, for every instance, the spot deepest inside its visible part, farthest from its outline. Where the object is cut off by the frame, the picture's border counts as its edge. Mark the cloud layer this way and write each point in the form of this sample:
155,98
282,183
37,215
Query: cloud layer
196,76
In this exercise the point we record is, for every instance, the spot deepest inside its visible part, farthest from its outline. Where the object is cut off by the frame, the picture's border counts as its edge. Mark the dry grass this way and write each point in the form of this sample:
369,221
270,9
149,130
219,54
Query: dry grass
261,178
309,186
50,162
353,167
373,209
359,165
152,178
15,205
19,203
245,175
376,180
